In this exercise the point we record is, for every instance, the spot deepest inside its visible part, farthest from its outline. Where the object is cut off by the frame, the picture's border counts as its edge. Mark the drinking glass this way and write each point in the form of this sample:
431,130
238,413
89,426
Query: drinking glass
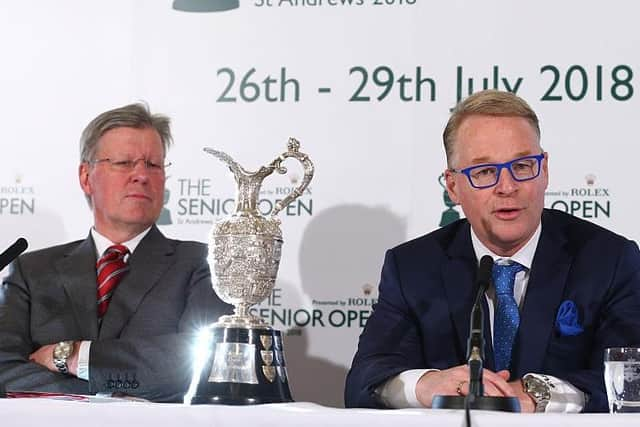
622,378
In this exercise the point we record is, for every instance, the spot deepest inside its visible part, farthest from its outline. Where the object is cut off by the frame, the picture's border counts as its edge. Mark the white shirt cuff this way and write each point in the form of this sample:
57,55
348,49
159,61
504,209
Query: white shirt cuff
400,391
83,360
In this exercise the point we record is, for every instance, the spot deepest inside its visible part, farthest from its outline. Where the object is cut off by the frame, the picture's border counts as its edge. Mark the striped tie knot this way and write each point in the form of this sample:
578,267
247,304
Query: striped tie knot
504,276
111,267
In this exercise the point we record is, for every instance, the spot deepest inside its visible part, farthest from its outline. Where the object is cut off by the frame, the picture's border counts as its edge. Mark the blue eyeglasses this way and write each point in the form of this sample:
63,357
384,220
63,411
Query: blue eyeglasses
487,175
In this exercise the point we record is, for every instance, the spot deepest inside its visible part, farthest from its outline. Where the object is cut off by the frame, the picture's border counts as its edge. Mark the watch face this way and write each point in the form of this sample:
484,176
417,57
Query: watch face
63,350
538,389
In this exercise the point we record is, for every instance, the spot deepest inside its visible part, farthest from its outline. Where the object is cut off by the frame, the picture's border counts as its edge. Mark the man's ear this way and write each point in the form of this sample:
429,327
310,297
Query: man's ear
545,169
83,177
451,185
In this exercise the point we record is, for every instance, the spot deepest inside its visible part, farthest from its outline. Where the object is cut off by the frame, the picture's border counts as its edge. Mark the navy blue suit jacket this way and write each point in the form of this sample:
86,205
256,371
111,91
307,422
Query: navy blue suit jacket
427,291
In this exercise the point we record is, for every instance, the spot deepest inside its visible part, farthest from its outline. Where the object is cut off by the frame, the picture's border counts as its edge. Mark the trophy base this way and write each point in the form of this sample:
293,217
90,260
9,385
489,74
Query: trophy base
236,321
239,366
234,396
485,403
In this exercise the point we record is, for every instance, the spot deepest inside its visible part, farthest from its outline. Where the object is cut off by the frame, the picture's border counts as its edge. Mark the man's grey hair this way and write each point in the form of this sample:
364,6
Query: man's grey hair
133,115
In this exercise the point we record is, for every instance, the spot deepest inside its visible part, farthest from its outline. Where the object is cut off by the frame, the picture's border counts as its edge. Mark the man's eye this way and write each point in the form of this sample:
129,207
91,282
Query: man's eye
122,163
483,172
153,165
524,165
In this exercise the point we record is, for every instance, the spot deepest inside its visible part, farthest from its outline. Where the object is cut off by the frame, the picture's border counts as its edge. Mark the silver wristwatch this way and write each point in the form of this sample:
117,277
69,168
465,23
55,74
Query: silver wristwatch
61,352
539,388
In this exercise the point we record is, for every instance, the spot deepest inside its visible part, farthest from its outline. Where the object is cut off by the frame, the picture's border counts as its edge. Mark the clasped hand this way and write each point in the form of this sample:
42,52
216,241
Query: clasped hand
44,356
455,381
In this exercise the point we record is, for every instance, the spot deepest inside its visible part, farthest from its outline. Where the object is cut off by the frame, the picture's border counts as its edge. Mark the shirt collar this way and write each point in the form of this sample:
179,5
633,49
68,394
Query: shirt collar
523,257
102,243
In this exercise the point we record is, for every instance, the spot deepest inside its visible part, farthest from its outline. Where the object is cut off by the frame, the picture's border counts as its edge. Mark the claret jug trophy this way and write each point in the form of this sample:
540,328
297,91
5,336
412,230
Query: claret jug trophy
240,358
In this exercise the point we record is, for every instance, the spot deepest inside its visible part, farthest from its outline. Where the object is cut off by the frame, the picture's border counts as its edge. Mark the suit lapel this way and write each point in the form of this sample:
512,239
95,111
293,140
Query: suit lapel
78,277
549,272
459,274
149,261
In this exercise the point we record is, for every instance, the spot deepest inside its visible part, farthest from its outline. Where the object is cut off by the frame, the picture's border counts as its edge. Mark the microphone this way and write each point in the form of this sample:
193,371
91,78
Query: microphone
475,343
12,252
475,358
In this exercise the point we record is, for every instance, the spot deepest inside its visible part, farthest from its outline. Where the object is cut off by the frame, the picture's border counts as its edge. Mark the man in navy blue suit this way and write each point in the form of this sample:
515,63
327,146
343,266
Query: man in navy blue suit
563,289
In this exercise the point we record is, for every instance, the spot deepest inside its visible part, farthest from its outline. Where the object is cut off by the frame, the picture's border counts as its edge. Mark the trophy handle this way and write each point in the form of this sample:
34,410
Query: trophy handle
292,151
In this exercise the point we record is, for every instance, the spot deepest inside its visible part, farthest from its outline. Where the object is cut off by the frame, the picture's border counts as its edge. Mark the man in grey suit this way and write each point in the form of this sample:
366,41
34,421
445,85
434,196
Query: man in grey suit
116,312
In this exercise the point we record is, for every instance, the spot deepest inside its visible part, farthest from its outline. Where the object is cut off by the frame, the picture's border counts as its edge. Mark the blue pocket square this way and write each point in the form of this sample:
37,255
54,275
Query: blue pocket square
567,319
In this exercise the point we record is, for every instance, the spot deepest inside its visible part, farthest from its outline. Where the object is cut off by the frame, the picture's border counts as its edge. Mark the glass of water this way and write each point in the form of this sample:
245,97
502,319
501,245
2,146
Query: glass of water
622,378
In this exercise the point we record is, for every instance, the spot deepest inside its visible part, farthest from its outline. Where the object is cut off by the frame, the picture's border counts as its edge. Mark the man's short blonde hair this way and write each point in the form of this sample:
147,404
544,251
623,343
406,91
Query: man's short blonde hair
490,103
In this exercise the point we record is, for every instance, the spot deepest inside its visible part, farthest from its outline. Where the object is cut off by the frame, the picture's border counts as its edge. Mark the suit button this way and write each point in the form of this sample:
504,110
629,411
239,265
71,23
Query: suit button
111,384
134,384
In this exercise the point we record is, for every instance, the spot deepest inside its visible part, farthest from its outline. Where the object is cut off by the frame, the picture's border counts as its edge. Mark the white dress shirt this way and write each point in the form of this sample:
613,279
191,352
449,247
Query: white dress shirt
400,391
102,244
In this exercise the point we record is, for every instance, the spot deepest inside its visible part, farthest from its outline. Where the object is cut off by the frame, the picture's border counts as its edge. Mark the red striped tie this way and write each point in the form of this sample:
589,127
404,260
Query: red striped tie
111,268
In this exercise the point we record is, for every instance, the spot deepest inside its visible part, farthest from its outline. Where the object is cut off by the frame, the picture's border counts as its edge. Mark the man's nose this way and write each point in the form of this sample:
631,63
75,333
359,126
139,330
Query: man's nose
506,184
140,162
140,172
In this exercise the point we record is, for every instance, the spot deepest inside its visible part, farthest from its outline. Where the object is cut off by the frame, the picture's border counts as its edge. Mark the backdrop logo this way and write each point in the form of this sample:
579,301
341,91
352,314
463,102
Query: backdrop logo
223,5
367,288
449,215
196,201
589,200
350,312
165,213
16,198
205,5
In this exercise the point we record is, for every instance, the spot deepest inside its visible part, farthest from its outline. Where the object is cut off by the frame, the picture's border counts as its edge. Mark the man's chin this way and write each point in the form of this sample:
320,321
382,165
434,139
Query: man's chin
511,241
140,220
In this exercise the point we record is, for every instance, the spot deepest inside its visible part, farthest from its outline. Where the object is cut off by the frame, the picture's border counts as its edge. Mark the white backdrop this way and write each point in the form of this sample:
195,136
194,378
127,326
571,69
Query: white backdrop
365,85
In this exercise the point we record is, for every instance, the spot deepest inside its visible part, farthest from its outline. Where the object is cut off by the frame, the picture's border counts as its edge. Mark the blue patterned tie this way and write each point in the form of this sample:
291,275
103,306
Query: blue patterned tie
506,315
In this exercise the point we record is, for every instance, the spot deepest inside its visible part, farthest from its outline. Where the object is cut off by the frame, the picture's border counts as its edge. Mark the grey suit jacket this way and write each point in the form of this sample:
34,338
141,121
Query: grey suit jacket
143,346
